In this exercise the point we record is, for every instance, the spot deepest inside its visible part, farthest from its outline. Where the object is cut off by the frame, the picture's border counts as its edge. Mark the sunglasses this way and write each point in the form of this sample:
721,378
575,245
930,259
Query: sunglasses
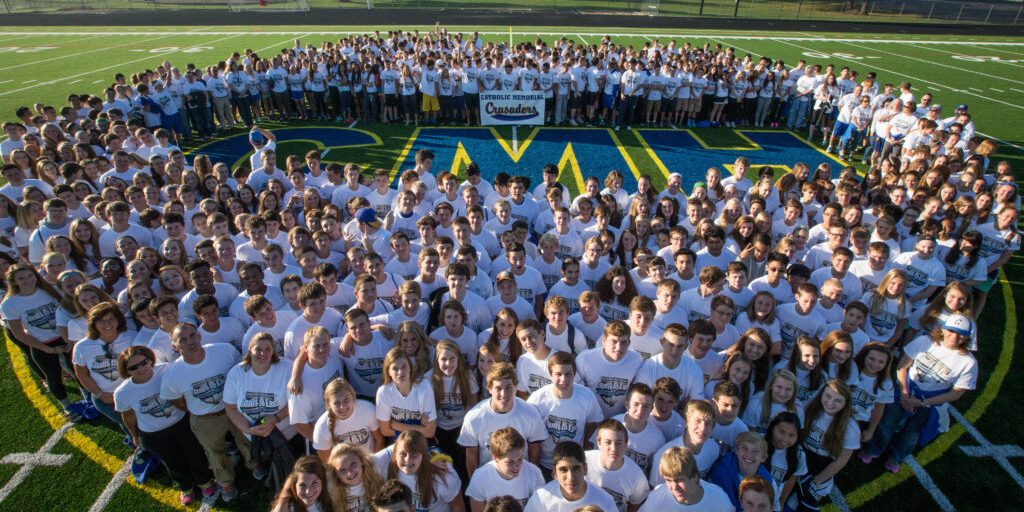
138,365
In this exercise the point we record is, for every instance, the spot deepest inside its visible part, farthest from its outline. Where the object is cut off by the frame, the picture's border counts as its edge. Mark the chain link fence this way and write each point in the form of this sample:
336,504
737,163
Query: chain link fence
892,11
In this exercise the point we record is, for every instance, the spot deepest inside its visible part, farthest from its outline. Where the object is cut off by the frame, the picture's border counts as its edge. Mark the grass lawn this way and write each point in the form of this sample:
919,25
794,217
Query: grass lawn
39,64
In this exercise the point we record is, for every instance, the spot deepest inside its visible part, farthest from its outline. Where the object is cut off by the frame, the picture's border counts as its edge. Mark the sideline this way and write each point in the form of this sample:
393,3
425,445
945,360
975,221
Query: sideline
92,451
937,448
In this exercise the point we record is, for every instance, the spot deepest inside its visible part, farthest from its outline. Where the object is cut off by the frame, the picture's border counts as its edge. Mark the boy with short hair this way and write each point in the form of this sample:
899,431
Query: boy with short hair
702,337
696,302
565,407
669,362
645,438
683,488
507,473
854,315
609,468
569,490
313,301
610,368
393,496
645,339
799,318
700,421
772,281
507,297
665,299
273,260
501,410
265,319
559,333
667,395
587,320
569,286
728,402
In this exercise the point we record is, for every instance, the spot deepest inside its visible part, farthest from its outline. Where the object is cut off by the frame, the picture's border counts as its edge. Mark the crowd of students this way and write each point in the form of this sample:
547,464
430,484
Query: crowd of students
496,344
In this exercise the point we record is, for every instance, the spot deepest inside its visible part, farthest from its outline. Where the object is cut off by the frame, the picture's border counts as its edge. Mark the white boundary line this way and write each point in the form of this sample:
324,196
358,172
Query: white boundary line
591,34
910,77
838,499
115,483
30,461
92,71
1001,460
929,485
80,53
976,48
938,64
582,40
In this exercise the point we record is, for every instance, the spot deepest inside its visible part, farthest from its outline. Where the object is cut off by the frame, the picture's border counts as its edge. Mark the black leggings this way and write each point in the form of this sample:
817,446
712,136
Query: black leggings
46,366
447,441
179,450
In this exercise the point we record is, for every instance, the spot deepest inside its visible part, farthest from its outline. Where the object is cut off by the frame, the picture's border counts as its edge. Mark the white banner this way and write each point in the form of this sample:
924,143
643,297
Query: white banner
511,107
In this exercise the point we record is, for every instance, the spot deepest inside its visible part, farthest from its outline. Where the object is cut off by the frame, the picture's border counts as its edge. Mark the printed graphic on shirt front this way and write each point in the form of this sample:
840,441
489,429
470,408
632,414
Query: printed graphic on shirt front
537,381
257,404
209,390
931,369
43,317
105,367
612,390
405,415
355,437
451,404
561,429
641,459
620,501
370,369
155,406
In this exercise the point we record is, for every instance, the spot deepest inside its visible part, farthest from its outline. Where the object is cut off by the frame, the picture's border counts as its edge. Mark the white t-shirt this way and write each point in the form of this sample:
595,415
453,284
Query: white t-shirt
102,368
452,410
609,380
709,453
257,396
37,312
486,483
152,412
688,374
446,489
672,427
816,435
550,499
642,445
936,368
202,385
356,430
626,485
481,421
309,405
880,326
532,372
392,405
793,325
752,414
564,418
364,367
714,500
863,396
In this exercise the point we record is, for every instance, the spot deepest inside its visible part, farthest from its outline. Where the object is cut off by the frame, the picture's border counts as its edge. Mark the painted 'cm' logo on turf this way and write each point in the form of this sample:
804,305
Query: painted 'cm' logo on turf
580,153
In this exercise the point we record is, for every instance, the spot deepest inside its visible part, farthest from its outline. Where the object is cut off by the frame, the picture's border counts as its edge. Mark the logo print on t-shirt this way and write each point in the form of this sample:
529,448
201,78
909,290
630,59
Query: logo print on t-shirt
43,317
370,369
356,437
257,405
209,390
611,390
931,369
154,406
561,429
107,368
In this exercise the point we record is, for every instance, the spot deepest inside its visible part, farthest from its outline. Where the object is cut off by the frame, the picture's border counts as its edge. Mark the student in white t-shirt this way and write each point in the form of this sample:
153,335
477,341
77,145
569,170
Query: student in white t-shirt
672,362
319,367
256,391
683,488
507,474
727,399
830,437
609,468
700,422
353,475
532,366
570,411
434,489
666,399
570,488
502,409
346,421
405,402
610,368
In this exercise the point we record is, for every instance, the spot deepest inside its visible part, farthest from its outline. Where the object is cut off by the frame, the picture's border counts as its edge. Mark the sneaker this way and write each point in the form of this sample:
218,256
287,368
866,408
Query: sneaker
210,489
573,122
892,467
616,128
129,442
865,458
186,498
259,473
228,493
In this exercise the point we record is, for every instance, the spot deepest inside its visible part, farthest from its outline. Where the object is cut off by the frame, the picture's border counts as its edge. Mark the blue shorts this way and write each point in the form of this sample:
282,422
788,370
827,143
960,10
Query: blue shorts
297,95
254,97
840,129
608,101
172,122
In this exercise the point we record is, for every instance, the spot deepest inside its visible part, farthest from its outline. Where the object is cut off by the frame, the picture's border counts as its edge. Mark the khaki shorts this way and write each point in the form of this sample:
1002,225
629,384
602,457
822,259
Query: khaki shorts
693,105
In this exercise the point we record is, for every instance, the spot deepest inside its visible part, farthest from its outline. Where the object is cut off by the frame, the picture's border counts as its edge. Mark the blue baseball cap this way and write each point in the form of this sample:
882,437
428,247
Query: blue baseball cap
257,138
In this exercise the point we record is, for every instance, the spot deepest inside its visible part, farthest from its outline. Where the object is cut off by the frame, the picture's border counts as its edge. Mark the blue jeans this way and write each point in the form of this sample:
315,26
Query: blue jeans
108,411
898,431
798,113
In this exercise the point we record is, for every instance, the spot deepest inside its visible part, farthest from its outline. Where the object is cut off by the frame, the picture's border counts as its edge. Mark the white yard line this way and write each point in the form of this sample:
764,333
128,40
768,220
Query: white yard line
976,47
582,39
353,123
93,71
986,98
280,43
29,461
80,53
996,452
589,34
957,68
1001,141
515,140
996,90
929,485
115,483
983,46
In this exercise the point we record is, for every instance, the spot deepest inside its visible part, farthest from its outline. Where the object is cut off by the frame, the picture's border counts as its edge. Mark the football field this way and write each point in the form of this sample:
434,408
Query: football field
47,464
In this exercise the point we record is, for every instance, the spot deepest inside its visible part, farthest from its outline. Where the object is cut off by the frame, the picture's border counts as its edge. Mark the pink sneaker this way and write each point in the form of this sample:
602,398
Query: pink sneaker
865,458
186,498
210,489
892,467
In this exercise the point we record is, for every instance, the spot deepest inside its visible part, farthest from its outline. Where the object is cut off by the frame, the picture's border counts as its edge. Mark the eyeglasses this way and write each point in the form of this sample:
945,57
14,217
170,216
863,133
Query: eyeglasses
138,365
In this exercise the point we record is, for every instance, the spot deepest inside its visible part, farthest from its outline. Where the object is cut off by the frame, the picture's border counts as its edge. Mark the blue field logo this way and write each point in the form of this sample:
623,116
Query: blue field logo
517,113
